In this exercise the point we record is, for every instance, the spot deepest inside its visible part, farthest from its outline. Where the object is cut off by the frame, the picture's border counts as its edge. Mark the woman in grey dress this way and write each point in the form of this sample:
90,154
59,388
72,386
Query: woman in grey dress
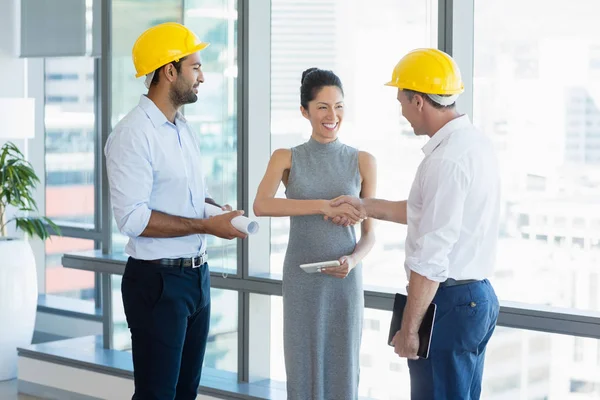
322,312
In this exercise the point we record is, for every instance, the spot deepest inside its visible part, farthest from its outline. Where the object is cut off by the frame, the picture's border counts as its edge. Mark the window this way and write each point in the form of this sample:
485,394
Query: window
345,37
70,166
578,355
213,118
67,282
514,64
520,364
60,77
61,99
70,143
222,344
587,387
126,89
549,222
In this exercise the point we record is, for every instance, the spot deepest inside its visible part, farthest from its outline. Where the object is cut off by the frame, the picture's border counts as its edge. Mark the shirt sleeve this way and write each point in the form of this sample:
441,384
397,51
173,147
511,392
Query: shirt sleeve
444,190
130,178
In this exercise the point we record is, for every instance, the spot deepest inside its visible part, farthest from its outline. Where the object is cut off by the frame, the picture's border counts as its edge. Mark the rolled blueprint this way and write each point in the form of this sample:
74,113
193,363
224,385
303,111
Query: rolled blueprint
241,223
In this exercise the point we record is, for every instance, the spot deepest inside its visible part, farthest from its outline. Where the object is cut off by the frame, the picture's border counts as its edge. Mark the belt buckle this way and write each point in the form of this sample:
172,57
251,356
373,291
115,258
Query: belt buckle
202,258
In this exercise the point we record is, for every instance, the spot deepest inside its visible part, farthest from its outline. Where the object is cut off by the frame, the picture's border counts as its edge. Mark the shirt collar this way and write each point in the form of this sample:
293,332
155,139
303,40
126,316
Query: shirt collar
156,116
446,130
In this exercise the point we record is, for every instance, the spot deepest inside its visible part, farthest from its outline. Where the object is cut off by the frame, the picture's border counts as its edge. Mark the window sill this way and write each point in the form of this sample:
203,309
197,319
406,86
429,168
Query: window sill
69,307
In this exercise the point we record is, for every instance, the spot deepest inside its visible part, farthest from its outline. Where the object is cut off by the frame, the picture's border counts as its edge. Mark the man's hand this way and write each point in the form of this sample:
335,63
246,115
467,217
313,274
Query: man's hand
226,207
220,225
347,264
350,200
345,211
406,344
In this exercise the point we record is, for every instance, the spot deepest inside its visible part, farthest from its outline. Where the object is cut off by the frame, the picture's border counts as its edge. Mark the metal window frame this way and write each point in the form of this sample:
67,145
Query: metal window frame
455,35
73,230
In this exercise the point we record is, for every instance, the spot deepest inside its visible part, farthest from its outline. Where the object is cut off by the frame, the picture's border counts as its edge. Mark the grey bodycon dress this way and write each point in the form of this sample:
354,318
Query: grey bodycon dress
322,314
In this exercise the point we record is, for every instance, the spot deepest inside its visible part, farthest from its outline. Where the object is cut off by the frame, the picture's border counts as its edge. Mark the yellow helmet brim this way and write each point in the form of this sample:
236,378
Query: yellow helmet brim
201,46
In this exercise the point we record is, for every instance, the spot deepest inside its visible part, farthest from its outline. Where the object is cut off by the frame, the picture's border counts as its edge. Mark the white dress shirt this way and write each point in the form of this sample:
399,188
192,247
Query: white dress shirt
454,206
153,164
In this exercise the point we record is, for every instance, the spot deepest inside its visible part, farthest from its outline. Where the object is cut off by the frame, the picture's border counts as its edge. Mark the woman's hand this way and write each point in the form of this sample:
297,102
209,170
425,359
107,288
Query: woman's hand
347,264
343,211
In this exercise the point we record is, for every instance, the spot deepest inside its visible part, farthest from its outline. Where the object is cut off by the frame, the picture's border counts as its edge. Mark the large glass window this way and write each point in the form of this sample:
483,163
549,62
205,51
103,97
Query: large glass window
222,344
532,365
63,281
213,118
70,160
130,19
348,38
70,140
519,364
536,94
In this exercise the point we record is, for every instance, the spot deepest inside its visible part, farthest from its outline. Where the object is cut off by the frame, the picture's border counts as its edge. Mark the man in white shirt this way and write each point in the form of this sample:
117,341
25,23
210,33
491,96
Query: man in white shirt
158,195
452,215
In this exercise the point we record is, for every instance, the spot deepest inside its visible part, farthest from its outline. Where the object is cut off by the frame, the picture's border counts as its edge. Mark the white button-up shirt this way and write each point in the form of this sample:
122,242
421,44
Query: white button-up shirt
153,164
454,206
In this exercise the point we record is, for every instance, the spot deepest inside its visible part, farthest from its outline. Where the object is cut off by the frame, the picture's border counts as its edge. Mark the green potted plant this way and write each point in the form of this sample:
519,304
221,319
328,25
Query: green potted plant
18,275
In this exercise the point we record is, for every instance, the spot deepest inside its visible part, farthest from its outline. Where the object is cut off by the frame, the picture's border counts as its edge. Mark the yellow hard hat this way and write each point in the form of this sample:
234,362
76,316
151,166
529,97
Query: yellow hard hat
429,71
162,44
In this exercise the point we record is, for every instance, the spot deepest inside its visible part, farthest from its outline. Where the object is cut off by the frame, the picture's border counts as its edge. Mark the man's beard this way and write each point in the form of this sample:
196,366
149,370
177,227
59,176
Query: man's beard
181,95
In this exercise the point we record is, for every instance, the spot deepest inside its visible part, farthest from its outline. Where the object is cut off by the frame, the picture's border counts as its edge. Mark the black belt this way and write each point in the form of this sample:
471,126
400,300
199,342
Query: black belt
193,262
454,282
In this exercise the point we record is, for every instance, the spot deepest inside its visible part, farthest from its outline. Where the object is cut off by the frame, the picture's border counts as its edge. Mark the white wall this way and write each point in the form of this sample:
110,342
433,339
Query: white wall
24,78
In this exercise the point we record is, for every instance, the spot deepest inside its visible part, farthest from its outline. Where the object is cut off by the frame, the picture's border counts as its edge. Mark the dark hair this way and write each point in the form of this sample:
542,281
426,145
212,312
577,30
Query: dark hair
315,79
411,94
176,64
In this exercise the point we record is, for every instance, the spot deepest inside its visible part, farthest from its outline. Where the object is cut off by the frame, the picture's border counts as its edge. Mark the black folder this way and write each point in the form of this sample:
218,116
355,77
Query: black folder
425,330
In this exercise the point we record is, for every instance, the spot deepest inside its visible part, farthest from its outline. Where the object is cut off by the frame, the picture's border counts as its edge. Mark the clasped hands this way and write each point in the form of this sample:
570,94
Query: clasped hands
345,211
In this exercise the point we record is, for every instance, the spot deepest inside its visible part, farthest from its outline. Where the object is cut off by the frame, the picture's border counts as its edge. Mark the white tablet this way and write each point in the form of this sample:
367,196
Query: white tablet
318,266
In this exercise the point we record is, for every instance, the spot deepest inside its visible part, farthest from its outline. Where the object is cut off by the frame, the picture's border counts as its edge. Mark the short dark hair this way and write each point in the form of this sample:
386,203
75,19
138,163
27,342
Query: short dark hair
176,64
411,94
315,79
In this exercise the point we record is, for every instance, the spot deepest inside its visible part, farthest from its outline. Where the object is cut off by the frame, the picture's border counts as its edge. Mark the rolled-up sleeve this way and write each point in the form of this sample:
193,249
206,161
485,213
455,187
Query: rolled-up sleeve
444,190
130,178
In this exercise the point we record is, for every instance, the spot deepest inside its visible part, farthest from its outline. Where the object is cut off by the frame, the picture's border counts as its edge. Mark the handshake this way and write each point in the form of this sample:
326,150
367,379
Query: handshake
345,211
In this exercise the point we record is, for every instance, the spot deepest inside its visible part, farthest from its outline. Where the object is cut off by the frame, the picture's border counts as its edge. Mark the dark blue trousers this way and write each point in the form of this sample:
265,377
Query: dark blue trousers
168,313
465,320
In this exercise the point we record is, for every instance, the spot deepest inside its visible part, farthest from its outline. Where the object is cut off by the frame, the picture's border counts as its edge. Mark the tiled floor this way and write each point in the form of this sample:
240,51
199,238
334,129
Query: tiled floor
8,391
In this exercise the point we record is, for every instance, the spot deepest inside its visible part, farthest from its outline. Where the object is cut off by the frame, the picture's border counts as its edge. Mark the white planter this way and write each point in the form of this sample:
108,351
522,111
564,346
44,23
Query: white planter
18,302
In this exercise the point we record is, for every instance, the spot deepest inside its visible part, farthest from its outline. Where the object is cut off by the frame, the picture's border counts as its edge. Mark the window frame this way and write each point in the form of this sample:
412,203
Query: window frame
455,36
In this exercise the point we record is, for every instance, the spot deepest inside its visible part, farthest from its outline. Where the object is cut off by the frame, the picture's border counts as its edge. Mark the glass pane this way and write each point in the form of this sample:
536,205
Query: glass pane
222,346
64,281
214,116
549,235
533,365
121,335
70,140
347,38
519,364
130,19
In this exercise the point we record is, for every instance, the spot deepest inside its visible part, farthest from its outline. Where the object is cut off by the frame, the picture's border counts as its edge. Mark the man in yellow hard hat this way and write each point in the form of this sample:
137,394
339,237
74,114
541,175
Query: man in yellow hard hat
158,197
452,213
